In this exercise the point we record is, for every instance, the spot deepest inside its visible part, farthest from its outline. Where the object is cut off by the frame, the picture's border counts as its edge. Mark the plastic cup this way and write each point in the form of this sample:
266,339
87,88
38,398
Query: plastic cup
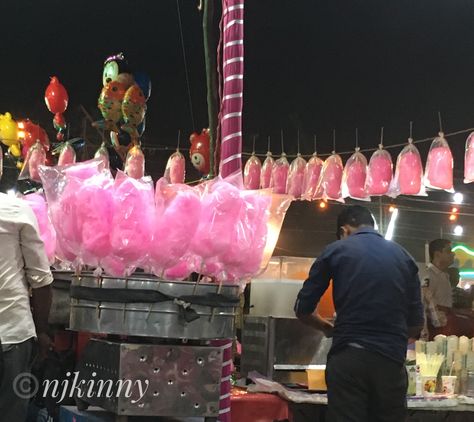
448,384
428,384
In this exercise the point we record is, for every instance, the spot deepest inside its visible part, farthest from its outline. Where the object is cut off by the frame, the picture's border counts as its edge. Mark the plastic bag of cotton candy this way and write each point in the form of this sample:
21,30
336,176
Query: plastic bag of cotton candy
131,224
81,209
177,214
231,235
47,233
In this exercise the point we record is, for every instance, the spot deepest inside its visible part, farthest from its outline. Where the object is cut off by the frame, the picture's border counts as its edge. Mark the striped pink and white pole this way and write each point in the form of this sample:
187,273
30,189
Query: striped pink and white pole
230,116
230,122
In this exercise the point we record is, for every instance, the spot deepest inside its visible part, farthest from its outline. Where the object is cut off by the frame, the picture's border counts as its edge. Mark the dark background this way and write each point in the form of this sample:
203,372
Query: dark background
310,66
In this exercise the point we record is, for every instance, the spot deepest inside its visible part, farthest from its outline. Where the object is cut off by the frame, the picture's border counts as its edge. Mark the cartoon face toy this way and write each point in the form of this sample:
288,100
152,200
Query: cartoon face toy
199,151
116,69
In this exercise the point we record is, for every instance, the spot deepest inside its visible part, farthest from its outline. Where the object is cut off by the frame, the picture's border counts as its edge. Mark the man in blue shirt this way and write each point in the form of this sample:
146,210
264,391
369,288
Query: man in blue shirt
376,292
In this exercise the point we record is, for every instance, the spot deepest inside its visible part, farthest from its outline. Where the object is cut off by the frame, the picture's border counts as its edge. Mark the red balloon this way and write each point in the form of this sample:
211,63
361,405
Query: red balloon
56,97
29,133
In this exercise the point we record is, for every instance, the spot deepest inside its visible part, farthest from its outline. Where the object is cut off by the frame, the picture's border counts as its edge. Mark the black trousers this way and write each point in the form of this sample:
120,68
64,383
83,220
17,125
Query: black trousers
364,386
17,360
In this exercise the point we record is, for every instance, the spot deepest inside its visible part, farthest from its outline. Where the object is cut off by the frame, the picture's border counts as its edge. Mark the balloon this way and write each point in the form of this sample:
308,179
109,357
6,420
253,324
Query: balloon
141,127
110,104
175,168
295,182
29,133
56,97
135,163
144,82
266,173
354,177
133,110
379,173
199,151
8,130
116,69
311,177
469,159
280,174
439,165
15,150
329,186
252,171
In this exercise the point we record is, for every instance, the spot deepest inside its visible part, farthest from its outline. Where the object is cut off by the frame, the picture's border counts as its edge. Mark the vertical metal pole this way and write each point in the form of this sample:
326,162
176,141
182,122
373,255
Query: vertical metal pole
211,79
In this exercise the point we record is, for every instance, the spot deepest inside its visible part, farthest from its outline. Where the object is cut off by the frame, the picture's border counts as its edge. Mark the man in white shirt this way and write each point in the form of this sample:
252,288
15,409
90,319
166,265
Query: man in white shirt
23,264
437,282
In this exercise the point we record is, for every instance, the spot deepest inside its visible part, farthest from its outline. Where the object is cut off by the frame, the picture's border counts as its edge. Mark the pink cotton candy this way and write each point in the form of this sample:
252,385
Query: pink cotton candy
103,155
296,173
36,157
67,155
329,186
180,271
280,174
252,173
469,159
379,174
249,238
266,172
175,226
64,218
220,209
133,219
84,170
311,177
135,163
175,168
46,229
354,177
115,266
439,166
95,210
408,173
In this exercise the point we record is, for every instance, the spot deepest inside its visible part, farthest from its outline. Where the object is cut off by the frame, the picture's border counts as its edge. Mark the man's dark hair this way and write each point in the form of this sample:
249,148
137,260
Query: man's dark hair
355,216
437,245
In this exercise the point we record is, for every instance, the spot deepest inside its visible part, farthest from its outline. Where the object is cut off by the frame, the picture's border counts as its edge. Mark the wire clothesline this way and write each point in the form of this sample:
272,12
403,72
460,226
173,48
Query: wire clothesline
417,141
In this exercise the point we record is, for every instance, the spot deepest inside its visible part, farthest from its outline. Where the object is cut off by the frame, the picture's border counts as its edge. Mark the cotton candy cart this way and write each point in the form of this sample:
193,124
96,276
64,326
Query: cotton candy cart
156,332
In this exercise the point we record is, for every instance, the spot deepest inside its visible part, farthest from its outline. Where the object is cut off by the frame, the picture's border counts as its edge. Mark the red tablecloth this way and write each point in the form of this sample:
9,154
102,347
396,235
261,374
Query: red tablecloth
258,407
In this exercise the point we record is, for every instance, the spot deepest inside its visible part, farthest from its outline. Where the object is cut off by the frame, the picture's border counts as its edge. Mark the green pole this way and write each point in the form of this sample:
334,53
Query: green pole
211,79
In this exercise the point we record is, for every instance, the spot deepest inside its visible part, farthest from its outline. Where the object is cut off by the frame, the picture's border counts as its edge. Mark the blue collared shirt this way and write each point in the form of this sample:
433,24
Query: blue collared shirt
376,292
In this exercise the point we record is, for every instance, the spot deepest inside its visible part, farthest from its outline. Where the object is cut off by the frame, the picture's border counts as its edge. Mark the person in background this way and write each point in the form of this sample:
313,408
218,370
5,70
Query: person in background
461,298
376,293
23,324
436,279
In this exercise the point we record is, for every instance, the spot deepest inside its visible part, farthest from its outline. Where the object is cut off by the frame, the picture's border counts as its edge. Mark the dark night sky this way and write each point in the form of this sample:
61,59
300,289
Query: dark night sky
310,65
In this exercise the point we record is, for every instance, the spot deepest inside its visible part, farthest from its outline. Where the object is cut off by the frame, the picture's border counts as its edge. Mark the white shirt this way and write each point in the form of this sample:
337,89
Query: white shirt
439,286
23,263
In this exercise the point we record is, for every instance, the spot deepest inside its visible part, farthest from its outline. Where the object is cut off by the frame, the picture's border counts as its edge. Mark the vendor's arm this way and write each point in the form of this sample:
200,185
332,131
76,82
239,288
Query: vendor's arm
310,294
38,275
415,319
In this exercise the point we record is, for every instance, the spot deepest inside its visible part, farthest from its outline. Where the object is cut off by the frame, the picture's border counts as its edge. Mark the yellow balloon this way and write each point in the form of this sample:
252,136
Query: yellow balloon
15,150
8,130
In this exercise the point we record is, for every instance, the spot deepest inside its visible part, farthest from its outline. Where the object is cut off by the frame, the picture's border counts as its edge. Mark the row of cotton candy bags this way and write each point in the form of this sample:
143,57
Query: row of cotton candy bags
99,221
215,229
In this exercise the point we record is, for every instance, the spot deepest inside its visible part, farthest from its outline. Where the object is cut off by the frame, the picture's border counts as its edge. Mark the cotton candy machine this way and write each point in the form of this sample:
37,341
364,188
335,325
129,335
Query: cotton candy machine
158,334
